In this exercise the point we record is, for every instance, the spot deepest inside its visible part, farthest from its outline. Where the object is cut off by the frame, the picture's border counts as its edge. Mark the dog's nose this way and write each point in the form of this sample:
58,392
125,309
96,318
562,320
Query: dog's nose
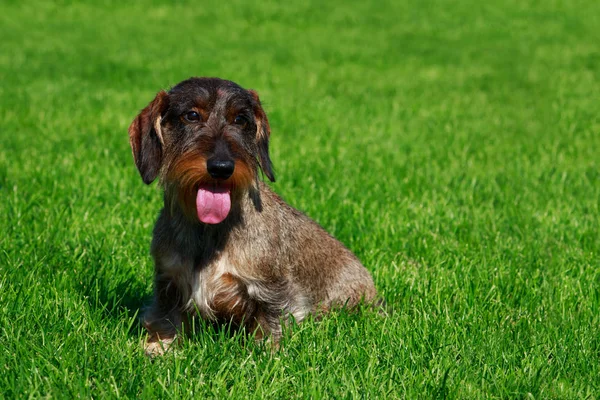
220,169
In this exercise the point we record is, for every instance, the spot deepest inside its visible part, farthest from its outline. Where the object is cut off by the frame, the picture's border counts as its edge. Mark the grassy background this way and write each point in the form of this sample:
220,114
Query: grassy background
452,145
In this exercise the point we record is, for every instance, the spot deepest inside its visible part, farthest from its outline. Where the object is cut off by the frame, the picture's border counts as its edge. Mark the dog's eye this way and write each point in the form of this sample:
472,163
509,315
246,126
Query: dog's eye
240,120
191,116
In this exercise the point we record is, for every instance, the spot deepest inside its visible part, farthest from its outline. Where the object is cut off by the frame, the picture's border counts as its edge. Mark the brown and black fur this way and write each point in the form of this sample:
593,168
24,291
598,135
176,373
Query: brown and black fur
266,260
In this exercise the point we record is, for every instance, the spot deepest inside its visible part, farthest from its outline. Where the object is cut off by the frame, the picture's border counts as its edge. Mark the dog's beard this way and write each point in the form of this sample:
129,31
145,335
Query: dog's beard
201,197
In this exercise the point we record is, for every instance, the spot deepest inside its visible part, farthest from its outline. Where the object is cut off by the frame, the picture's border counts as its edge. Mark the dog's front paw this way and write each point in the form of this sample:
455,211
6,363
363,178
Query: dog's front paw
157,347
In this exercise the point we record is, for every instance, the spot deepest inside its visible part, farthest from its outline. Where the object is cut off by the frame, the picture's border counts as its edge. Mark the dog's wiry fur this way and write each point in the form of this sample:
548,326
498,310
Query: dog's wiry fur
265,261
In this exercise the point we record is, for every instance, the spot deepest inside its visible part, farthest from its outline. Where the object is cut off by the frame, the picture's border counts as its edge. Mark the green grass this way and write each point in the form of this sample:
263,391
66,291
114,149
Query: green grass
454,146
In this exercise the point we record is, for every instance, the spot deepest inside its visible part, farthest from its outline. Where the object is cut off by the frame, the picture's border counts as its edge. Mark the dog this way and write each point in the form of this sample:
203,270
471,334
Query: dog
225,246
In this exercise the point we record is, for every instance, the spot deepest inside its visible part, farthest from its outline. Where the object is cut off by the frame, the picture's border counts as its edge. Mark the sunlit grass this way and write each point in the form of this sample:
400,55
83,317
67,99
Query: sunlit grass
453,146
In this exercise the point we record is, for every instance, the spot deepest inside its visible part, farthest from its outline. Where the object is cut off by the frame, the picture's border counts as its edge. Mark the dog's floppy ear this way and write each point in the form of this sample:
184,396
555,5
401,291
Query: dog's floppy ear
146,139
263,132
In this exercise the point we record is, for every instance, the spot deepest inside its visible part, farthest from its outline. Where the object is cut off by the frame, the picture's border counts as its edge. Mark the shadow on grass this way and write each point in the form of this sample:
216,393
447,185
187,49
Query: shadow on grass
118,295
121,301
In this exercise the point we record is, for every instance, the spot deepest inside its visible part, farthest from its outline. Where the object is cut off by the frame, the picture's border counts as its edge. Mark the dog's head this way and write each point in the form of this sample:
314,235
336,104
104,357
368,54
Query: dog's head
205,139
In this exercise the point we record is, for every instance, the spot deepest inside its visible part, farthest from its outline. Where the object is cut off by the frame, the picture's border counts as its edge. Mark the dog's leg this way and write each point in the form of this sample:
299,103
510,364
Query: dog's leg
162,332
264,327
163,319
270,315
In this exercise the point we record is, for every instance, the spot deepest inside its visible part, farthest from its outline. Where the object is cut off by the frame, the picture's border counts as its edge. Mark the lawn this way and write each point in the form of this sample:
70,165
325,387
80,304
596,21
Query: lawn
454,146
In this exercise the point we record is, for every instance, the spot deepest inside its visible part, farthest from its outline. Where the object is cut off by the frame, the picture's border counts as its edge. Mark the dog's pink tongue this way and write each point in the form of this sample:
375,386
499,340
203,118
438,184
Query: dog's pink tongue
213,204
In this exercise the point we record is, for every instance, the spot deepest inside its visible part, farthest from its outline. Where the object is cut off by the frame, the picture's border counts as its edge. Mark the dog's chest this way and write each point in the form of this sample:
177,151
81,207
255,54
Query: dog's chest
206,288
212,282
